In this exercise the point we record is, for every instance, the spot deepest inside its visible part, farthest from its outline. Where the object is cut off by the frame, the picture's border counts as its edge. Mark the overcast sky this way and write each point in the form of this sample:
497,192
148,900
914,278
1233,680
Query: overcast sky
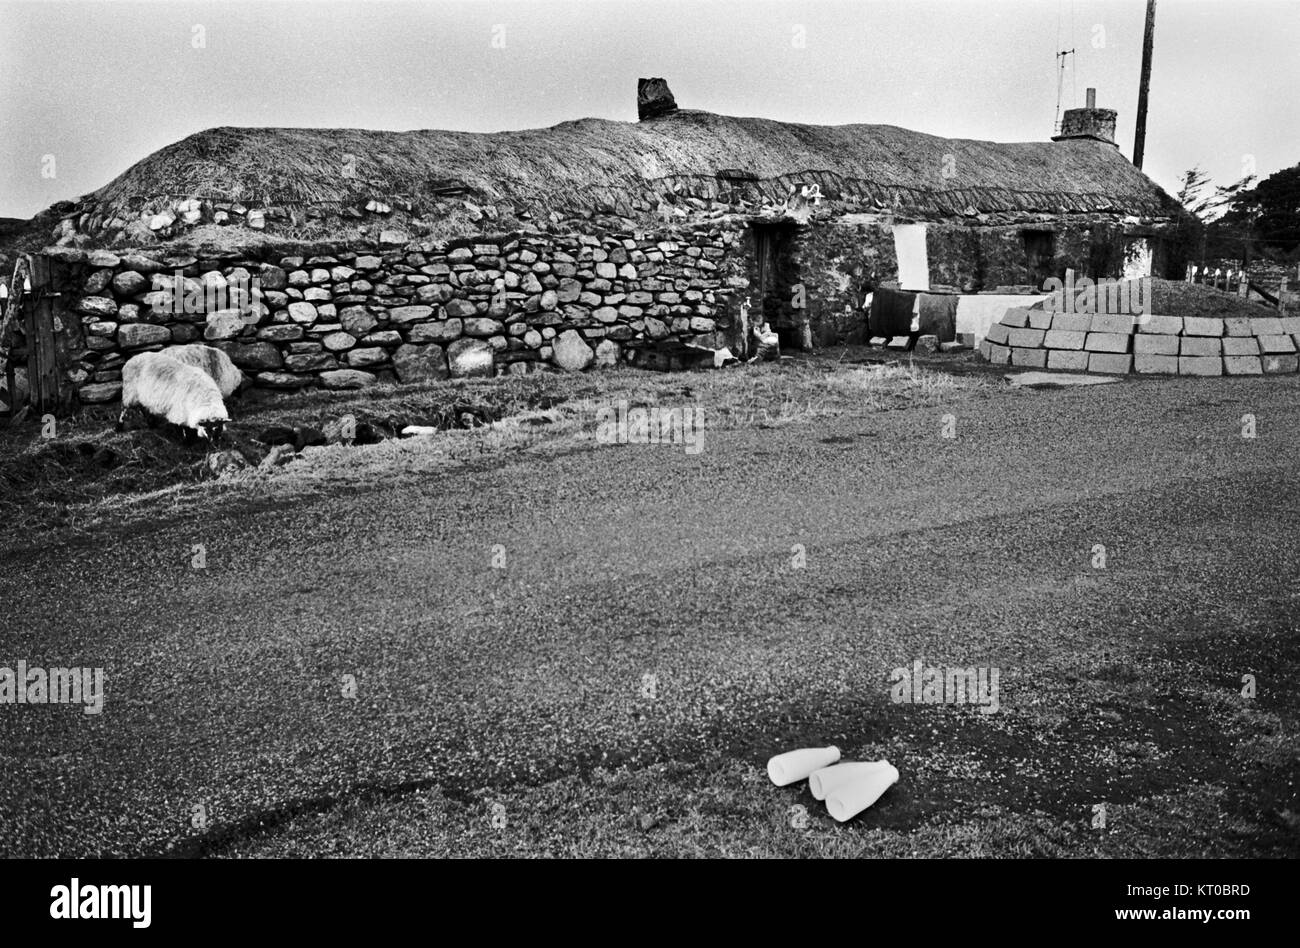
100,85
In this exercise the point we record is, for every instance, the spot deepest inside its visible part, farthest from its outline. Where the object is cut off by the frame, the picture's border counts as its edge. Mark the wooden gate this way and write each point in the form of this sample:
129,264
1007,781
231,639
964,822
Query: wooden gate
37,329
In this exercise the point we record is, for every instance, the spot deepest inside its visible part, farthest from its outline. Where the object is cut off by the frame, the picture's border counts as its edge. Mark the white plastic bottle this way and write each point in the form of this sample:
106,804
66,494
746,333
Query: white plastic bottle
826,781
854,796
787,768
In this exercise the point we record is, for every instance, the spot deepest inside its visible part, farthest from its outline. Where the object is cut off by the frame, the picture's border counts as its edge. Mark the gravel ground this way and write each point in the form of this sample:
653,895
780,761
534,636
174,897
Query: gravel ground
652,638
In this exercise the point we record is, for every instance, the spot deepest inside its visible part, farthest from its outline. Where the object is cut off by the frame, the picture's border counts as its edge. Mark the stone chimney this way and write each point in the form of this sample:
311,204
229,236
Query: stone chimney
1088,122
653,99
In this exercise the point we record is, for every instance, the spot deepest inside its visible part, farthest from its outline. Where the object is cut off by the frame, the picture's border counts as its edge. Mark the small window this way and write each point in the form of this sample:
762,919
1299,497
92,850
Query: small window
913,258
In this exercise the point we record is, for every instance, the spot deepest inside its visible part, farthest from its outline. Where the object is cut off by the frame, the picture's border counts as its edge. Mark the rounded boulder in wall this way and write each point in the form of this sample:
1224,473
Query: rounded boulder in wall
420,363
571,351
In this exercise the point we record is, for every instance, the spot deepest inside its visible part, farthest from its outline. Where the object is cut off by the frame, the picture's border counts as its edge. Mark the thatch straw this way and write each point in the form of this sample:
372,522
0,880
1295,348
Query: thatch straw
587,163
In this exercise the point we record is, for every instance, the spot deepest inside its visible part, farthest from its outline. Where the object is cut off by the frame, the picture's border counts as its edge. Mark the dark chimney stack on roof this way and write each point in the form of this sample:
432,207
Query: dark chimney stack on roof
1088,122
653,99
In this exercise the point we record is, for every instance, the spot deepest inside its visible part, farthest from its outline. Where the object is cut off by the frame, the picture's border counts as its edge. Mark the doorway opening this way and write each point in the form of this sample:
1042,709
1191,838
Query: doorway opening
781,299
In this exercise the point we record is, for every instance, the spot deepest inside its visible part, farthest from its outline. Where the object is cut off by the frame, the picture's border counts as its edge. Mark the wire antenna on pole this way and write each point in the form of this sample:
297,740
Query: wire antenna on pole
1060,86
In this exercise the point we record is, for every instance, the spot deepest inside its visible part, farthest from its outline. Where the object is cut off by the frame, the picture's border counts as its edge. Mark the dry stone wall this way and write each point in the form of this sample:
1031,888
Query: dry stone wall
348,318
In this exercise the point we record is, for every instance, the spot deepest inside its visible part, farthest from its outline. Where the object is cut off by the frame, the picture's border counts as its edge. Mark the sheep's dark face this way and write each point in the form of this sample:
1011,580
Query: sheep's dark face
211,430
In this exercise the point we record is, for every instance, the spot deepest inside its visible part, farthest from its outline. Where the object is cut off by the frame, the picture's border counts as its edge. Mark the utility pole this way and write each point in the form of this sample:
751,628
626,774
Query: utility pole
1140,135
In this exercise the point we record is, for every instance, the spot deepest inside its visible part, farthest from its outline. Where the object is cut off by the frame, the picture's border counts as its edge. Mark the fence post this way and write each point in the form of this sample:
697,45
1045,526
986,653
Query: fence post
1281,297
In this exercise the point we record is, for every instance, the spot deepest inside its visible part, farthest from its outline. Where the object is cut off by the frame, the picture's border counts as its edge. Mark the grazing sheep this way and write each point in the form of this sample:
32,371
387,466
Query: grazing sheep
212,361
180,393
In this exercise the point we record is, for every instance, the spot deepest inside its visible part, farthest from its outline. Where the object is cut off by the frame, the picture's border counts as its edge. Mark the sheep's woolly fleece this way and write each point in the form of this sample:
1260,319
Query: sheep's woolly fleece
180,393
212,361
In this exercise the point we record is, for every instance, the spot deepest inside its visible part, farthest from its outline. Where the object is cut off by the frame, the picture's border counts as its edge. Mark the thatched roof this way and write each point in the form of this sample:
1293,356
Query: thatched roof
596,165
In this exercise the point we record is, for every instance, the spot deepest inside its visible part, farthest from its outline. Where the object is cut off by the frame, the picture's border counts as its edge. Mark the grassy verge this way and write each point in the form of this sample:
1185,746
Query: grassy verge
88,471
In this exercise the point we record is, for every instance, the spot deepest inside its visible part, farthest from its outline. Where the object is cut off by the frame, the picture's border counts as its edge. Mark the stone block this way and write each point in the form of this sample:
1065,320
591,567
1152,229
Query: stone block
1148,363
1072,322
1161,325
1067,359
1156,345
1200,346
1200,365
1064,339
1280,364
1028,358
1240,346
1110,363
1026,338
998,333
1202,326
1276,345
1265,326
1110,322
1107,342
1243,365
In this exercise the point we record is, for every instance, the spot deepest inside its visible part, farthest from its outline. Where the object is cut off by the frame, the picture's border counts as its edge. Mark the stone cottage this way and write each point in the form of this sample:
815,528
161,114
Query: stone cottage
344,257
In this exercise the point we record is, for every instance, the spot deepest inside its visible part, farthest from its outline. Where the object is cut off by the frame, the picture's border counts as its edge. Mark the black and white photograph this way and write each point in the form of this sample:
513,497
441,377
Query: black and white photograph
583,430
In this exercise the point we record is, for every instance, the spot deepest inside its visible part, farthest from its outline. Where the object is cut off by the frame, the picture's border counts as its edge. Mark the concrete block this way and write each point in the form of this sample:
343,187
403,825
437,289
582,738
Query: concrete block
1040,319
1028,358
1237,326
1027,338
1067,359
955,346
1240,346
1110,363
998,333
1155,345
967,339
1275,344
1243,365
1280,364
1072,322
1063,339
984,349
1265,326
878,342
1112,322
900,342
1150,364
1200,365
1161,325
1017,318
1200,346
1291,325
1202,326
1107,342
999,355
